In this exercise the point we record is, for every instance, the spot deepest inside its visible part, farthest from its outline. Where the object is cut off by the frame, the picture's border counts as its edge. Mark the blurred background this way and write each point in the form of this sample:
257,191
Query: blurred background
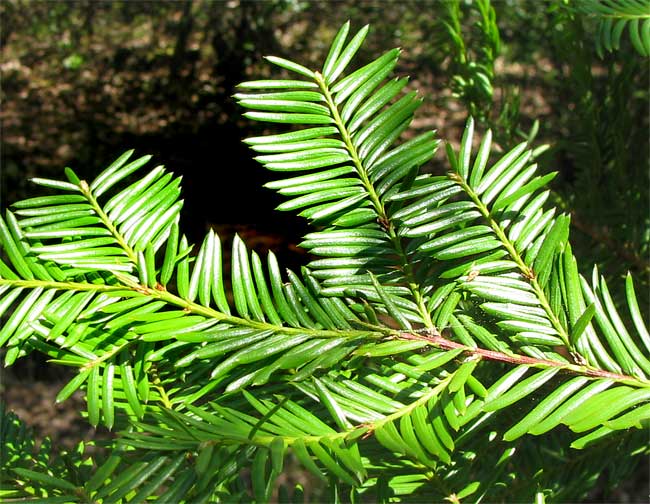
83,81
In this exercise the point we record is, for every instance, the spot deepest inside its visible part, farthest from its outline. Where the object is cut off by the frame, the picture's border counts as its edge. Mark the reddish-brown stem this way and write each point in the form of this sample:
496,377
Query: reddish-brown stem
436,339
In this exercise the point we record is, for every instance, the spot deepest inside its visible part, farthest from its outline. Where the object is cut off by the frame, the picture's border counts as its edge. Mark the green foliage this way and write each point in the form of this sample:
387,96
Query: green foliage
615,17
473,57
607,127
440,345
471,40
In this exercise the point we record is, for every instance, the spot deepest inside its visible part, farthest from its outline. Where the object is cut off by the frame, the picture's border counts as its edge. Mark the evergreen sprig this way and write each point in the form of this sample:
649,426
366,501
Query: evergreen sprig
441,325
615,17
